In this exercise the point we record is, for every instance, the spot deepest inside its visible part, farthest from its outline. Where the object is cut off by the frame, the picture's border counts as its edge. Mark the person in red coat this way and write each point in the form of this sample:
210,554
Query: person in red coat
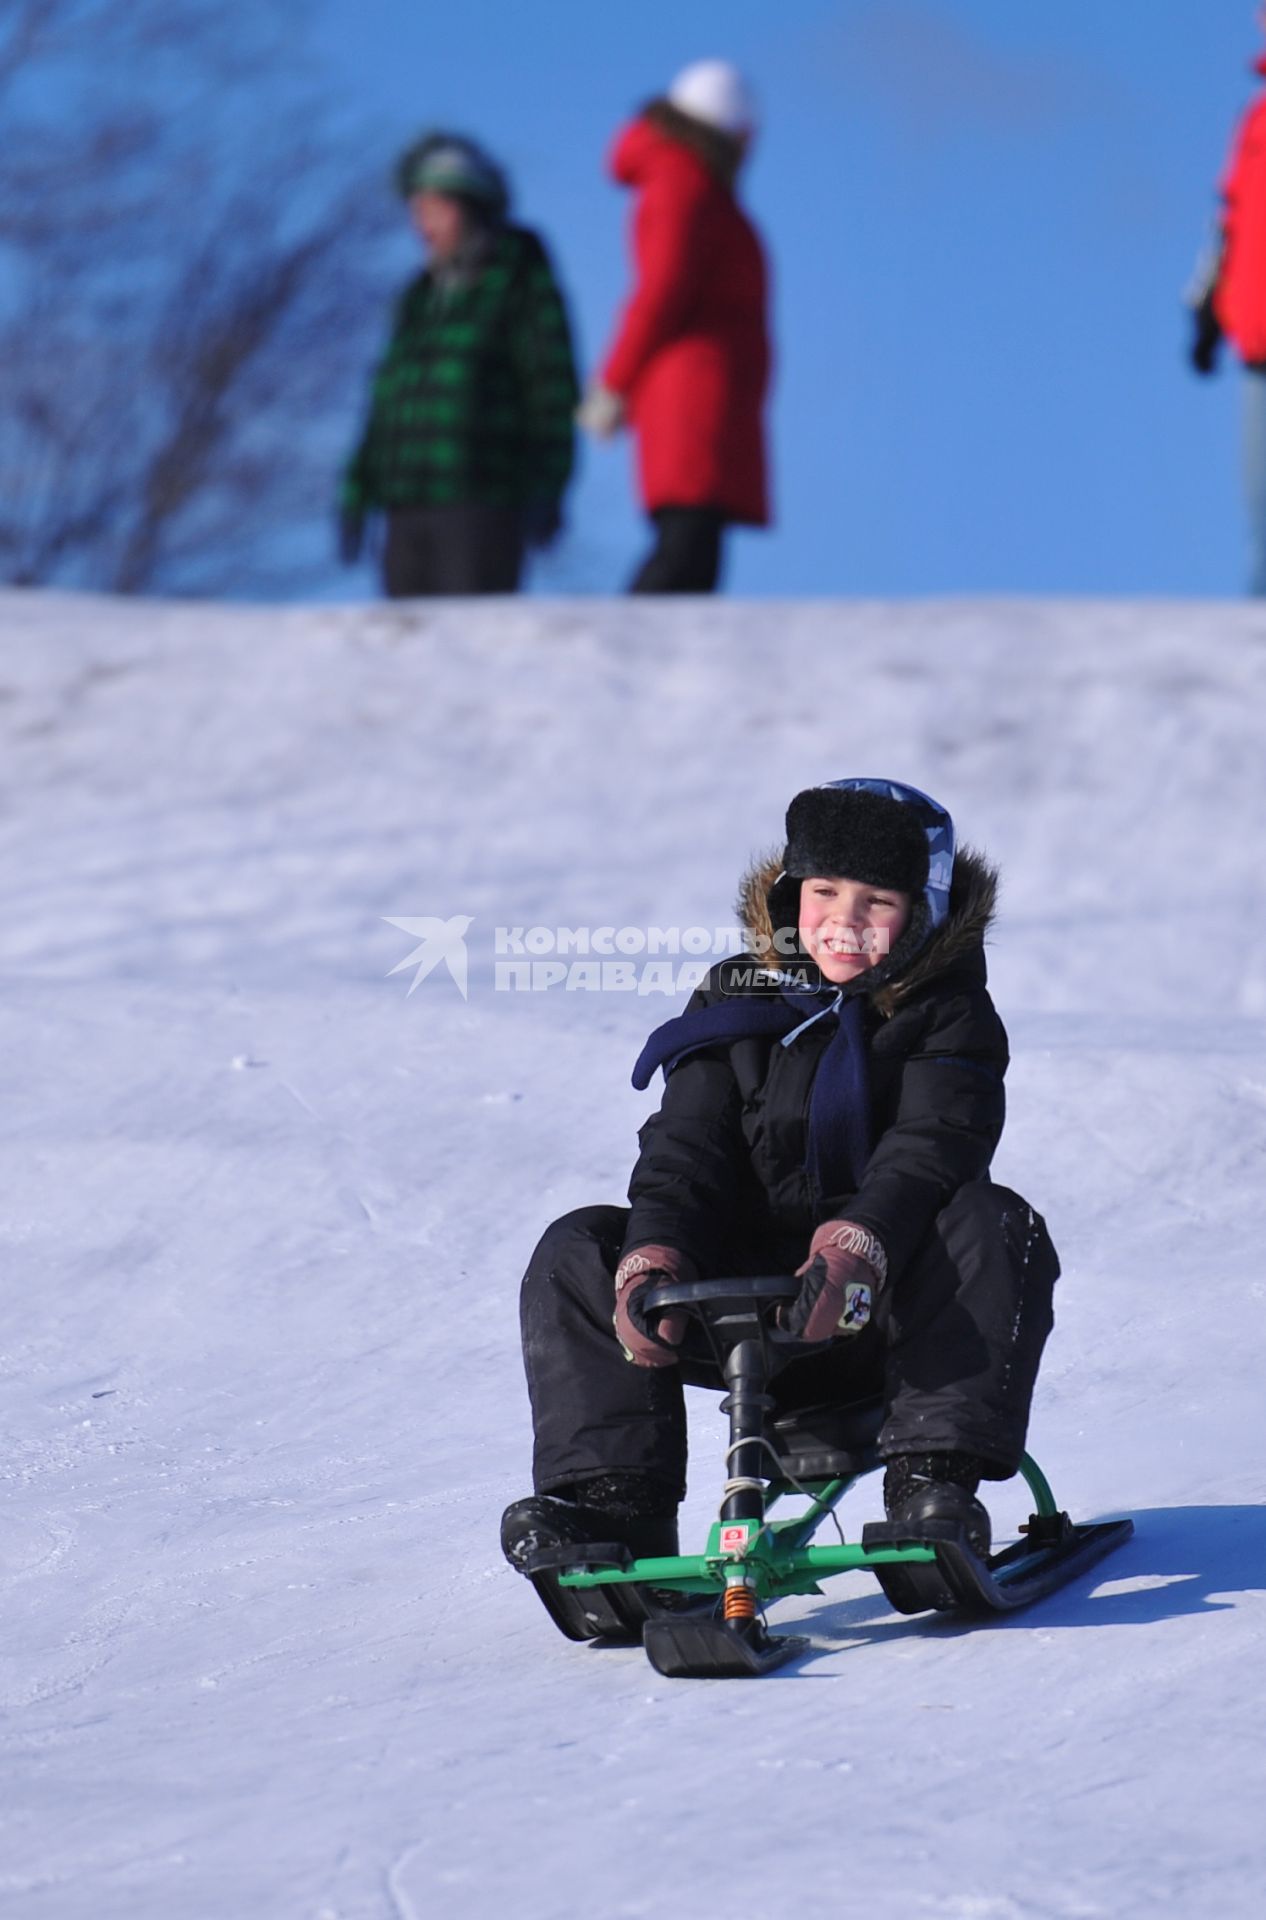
689,368
1230,301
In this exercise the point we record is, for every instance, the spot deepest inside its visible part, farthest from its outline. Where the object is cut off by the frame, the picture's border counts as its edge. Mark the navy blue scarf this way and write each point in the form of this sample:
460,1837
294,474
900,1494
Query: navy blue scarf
839,1105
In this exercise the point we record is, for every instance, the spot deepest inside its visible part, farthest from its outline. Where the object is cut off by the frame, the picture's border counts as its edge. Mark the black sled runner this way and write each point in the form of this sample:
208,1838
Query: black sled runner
701,1616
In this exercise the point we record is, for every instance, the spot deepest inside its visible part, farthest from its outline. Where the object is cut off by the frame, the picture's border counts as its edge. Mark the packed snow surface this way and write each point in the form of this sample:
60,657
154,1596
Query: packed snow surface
264,1213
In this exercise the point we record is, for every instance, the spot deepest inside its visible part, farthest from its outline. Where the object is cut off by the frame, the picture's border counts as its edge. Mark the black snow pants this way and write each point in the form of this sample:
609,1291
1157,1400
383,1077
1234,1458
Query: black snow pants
953,1348
434,550
686,557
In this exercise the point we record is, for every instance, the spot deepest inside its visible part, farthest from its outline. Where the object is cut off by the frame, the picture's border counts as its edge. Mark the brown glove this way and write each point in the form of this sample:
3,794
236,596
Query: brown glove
648,1345
846,1264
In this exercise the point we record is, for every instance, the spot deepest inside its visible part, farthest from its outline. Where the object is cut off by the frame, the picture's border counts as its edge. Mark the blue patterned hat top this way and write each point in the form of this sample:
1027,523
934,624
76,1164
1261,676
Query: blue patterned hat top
936,823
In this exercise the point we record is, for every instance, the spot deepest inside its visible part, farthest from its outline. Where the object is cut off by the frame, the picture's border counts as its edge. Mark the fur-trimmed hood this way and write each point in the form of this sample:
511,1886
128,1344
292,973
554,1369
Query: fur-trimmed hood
973,899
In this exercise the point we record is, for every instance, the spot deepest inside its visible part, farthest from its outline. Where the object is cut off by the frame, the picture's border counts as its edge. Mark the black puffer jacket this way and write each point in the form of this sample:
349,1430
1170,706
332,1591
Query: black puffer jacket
722,1170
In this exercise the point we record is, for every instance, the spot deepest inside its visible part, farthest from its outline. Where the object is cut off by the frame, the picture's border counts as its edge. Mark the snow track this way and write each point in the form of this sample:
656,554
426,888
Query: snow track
264,1213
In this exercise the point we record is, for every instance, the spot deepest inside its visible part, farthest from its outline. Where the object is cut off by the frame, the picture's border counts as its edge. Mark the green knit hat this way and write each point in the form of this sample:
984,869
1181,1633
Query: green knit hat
450,163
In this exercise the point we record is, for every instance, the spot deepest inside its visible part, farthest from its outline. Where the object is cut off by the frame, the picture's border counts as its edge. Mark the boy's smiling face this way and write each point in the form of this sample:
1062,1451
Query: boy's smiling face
848,926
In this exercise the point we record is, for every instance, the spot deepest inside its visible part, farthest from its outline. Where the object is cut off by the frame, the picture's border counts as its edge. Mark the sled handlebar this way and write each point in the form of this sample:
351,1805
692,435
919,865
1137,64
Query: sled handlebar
736,1320
710,1299
733,1310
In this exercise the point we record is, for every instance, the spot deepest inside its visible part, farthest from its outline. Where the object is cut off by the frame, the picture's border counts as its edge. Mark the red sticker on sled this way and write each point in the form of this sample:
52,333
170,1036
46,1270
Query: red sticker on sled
735,1539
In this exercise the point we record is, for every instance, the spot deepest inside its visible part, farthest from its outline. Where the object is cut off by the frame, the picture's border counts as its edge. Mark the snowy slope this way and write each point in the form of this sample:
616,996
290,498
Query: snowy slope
264,1212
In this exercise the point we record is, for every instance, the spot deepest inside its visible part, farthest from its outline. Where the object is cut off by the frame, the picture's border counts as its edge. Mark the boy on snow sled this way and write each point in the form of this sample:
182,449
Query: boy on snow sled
832,1113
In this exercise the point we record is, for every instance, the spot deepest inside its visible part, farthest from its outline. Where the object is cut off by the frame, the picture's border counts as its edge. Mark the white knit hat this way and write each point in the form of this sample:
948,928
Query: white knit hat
716,93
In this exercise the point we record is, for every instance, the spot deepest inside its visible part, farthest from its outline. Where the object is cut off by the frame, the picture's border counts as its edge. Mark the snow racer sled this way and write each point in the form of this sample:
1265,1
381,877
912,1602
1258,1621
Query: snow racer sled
702,1616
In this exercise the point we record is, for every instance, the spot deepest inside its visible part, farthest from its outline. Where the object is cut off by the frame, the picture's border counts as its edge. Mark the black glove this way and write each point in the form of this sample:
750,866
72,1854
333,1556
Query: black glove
542,522
1206,338
351,535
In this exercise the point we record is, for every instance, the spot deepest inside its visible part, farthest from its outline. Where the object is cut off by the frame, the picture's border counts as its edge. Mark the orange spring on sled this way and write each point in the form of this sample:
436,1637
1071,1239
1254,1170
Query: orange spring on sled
740,1602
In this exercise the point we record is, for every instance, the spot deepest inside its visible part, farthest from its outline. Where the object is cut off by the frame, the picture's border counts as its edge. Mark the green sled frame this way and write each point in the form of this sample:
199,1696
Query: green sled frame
702,1615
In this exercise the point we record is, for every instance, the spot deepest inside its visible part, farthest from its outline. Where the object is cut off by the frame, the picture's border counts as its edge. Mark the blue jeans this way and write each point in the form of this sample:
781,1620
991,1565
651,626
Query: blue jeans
1255,474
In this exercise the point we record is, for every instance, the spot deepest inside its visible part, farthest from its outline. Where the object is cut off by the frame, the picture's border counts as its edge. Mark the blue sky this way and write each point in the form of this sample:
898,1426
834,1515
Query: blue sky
981,218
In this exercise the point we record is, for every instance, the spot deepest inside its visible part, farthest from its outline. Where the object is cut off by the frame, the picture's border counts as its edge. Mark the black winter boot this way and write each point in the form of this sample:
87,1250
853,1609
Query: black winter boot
938,1486
919,1487
621,1509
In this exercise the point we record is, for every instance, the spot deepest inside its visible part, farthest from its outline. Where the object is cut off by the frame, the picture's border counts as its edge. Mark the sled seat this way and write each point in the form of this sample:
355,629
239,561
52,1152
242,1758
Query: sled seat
829,1442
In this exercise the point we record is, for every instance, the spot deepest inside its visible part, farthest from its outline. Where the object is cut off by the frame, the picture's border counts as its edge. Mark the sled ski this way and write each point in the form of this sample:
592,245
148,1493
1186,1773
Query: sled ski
613,1615
712,1649
1052,1552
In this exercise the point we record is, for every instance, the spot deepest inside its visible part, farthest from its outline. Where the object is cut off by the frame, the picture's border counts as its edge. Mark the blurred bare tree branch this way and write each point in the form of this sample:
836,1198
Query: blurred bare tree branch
189,280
